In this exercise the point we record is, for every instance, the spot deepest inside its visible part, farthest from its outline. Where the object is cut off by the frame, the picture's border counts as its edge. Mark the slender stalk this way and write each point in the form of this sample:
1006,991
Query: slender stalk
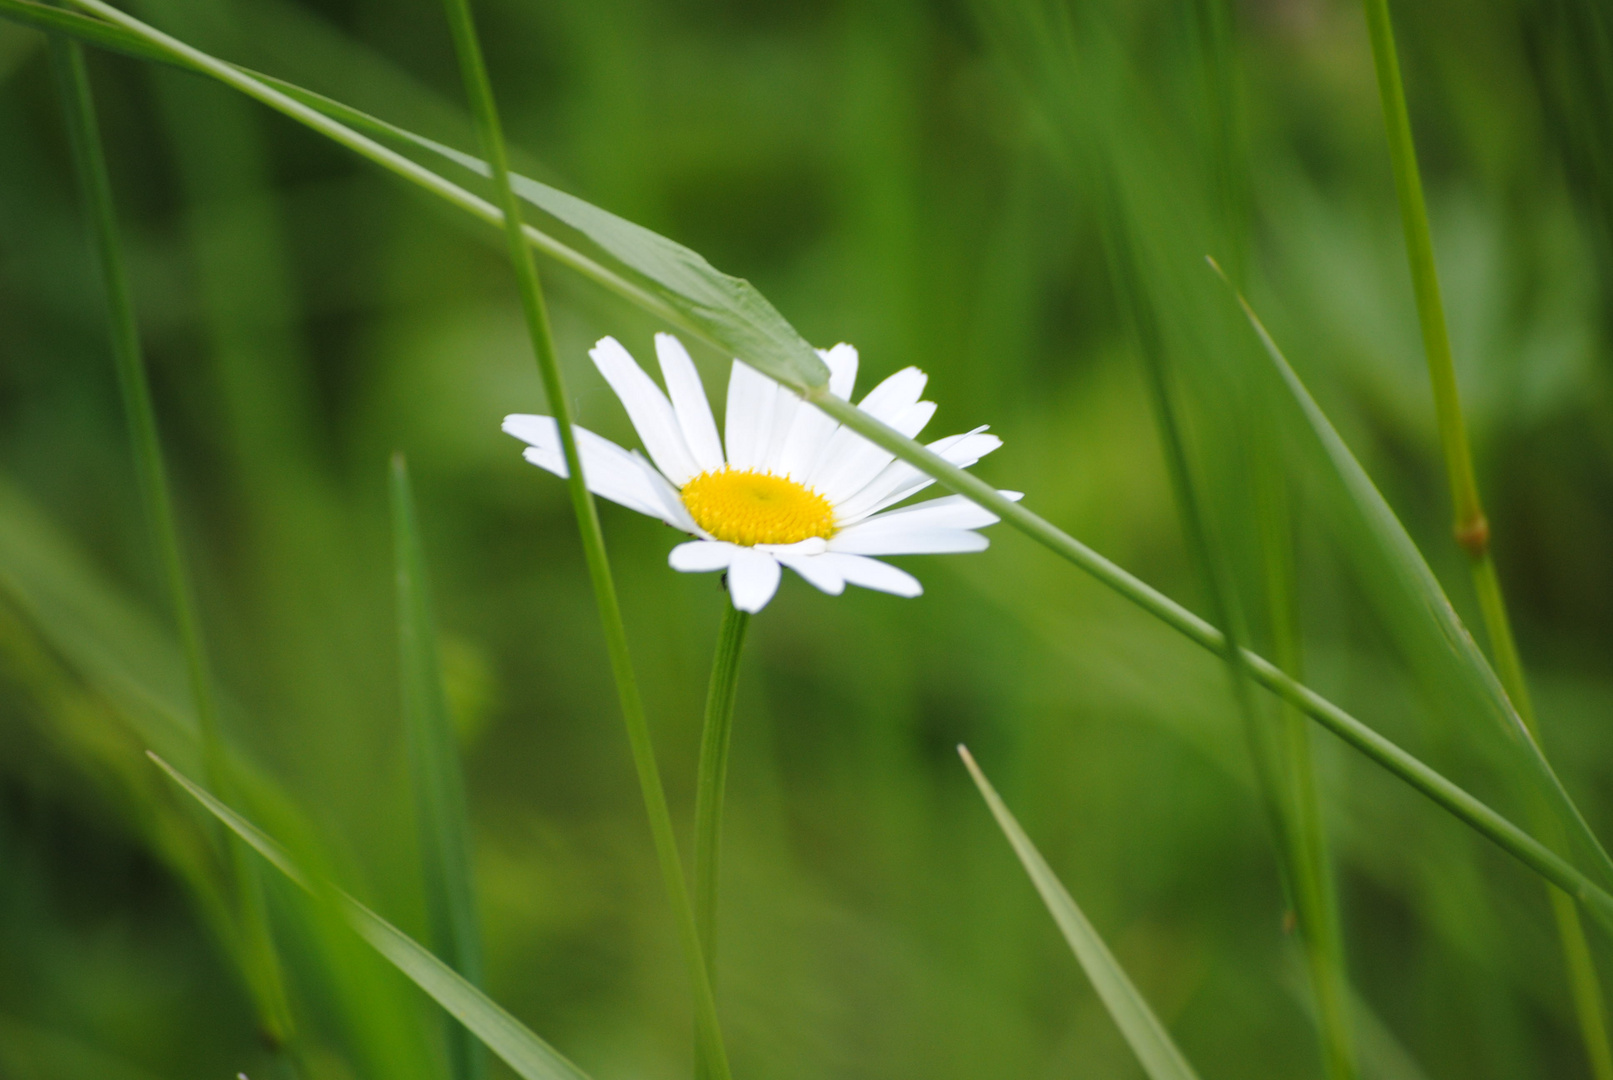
713,777
479,89
305,108
714,739
254,945
1472,529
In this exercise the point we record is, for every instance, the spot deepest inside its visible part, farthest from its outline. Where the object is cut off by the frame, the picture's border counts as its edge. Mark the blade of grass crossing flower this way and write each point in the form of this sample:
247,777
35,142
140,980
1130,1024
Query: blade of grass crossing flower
1472,528
523,1051
1314,705
1148,1039
710,1052
434,770
255,951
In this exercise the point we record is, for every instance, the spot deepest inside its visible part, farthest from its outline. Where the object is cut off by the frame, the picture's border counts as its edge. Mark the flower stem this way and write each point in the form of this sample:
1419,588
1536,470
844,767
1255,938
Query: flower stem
478,87
1472,529
253,945
714,739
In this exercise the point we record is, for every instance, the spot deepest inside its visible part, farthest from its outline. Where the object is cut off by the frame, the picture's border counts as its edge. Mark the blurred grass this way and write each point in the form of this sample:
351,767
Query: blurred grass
880,175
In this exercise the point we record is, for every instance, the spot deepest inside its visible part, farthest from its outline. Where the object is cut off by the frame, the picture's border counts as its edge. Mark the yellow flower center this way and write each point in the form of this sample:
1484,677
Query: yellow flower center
744,507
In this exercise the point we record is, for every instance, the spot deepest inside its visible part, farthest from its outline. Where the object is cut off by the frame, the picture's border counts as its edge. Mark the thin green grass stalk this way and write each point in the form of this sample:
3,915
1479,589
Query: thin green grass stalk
254,946
1282,767
714,739
1313,881
478,87
306,108
435,774
1472,528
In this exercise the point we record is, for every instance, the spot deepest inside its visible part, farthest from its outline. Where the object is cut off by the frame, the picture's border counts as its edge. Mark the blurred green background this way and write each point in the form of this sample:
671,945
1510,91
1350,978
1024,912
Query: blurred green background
887,176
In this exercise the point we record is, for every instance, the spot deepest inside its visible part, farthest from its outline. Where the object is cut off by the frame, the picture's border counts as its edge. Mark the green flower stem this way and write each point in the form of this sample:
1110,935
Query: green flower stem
714,739
1472,529
306,108
253,944
712,1056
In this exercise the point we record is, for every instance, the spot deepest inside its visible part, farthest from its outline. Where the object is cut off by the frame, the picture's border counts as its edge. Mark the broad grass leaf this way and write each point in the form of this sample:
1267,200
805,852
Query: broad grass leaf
1149,1040
523,1051
728,310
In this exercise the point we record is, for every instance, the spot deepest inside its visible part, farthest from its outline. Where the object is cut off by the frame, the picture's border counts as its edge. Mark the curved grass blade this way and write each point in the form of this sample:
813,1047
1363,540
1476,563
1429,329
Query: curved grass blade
434,770
523,1051
1149,1040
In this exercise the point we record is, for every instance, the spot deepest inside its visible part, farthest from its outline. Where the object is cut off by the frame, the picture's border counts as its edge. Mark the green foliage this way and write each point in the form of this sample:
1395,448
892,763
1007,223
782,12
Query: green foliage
938,189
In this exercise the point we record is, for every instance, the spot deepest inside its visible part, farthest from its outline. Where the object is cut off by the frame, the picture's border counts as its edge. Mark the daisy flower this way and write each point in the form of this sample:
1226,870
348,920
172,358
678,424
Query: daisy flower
785,486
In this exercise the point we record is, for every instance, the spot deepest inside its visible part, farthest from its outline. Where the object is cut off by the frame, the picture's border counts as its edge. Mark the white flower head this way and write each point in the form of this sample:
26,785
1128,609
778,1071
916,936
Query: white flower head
785,486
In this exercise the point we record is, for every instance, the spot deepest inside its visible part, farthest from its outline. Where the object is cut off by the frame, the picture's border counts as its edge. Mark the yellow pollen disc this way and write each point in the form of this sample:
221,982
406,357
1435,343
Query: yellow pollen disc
748,508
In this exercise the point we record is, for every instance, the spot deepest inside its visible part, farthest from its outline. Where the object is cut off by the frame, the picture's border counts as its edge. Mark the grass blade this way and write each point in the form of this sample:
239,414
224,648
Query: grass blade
434,770
523,1051
1149,1040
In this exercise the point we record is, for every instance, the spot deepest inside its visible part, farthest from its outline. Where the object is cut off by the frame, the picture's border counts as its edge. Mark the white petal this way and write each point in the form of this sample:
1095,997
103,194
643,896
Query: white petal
873,574
648,408
801,447
842,361
702,556
689,403
753,578
862,460
610,471
891,402
812,545
899,479
951,512
785,408
891,398
748,425
818,570
854,541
